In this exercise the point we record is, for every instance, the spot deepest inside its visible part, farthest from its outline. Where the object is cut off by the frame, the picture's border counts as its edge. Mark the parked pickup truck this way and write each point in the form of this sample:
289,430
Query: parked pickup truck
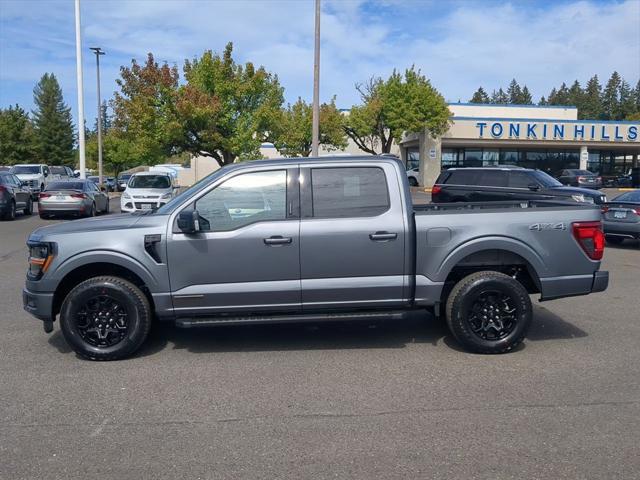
330,239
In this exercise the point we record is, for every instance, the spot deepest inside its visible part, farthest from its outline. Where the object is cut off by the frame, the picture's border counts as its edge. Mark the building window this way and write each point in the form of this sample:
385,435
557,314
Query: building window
449,158
413,158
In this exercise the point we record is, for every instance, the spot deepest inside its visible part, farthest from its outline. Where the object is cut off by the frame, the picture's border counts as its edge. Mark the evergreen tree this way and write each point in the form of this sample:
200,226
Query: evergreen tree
514,92
17,140
637,96
499,97
611,98
562,96
576,95
525,98
106,119
551,99
627,101
543,101
52,122
591,102
480,96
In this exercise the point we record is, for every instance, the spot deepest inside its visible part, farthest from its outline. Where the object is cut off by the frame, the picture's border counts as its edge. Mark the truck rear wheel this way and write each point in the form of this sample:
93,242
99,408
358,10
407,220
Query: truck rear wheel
489,312
105,318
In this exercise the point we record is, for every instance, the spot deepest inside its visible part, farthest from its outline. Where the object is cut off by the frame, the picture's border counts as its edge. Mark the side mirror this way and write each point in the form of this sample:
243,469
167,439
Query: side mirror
103,188
189,221
46,174
76,175
533,187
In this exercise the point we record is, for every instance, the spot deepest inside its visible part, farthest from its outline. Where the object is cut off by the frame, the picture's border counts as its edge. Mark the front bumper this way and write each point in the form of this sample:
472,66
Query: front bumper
38,304
552,288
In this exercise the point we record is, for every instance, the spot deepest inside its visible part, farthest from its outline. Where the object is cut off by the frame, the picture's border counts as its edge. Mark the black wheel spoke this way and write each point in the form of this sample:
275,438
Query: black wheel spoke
102,321
492,316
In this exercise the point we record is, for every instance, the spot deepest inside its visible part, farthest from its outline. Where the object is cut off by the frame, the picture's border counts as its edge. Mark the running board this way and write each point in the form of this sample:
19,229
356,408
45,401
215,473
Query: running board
293,318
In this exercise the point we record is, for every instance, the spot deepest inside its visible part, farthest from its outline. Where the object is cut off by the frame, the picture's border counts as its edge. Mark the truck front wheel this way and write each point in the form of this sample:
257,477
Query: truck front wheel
489,312
105,318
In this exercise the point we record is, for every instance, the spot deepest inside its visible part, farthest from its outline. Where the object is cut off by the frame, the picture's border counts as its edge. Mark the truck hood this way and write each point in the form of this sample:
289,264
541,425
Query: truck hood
28,176
96,224
147,192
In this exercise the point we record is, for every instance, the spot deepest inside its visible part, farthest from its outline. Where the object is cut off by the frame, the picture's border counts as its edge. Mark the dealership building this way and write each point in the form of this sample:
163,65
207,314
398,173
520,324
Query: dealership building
547,138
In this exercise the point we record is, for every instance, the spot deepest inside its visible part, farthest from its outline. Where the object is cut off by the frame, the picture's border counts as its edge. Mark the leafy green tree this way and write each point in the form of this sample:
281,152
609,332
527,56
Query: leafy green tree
402,103
17,138
225,110
525,96
144,110
611,98
52,122
514,92
106,119
591,103
292,135
499,97
480,96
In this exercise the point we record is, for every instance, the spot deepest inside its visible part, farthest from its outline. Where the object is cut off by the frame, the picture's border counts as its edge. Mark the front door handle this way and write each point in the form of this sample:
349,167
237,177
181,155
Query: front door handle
383,236
277,240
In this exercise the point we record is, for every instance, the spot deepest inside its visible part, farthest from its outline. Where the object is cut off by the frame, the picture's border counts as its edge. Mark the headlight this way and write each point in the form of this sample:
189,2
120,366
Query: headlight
40,257
166,195
126,196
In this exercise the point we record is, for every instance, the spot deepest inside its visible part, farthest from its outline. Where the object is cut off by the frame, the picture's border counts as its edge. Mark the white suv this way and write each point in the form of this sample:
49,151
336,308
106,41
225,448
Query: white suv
35,176
147,191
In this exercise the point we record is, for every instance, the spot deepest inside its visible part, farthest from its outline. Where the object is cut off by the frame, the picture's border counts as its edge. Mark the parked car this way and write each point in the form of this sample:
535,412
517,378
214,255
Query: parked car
108,182
14,196
81,198
579,178
333,239
4,168
487,184
147,191
35,176
61,172
122,181
622,217
413,176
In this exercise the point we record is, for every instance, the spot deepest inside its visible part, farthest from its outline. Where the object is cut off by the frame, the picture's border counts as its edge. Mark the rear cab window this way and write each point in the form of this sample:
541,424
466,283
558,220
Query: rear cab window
348,192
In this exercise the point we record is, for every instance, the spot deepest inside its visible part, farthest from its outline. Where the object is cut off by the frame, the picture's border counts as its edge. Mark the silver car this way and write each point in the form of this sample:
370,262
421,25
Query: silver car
81,198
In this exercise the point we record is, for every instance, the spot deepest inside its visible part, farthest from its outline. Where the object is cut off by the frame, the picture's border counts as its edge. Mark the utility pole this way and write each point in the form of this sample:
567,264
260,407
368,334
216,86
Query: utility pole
315,123
98,51
80,96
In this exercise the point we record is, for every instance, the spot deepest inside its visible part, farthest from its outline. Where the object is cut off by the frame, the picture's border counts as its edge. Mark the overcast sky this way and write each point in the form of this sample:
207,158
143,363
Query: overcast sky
458,44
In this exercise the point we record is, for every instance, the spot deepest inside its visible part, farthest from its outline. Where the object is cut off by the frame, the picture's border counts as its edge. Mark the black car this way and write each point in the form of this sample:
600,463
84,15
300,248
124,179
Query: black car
13,196
488,184
122,180
579,178
621,217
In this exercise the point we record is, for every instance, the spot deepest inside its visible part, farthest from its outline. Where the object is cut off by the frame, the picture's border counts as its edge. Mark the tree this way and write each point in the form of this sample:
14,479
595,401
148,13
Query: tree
637,96
543,101
514,92
17,138
525,97
499,97
611,98
292,135
627,101
560,96
144,110
226,110
392,107
106,119
480,96
591,103
52,122
576,95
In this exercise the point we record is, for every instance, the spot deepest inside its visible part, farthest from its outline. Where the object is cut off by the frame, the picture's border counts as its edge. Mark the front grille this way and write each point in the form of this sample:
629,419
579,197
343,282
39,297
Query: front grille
147,197
139,205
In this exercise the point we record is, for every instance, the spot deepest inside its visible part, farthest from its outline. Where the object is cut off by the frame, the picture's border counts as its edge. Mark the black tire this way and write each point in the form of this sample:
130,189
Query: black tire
28,210
413,182
106,209
11,213
92,212
489,312
83,326
614,240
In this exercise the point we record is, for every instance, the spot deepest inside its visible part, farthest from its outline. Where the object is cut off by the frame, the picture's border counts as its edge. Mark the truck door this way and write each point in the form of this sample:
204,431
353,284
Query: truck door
352,237
246,256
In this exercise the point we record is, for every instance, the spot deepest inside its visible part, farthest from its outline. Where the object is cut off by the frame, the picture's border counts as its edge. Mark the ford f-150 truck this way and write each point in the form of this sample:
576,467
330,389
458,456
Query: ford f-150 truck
298,240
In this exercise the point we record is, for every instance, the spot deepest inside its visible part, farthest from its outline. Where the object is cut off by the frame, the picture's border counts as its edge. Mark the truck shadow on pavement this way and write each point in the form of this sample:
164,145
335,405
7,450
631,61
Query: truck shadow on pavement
326,336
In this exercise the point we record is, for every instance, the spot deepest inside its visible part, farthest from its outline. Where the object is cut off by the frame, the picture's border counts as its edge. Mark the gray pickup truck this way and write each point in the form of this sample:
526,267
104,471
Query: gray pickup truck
299,240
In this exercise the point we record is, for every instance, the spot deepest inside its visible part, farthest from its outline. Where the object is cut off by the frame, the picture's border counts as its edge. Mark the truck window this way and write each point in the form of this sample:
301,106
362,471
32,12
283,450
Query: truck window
349,192
244,199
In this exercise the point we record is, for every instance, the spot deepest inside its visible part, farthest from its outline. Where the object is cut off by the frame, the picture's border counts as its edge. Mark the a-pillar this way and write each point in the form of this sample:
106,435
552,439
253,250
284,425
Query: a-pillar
584,157
430,159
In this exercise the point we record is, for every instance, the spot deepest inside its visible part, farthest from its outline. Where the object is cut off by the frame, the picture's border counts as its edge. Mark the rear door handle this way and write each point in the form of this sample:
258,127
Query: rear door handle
382,236
277,240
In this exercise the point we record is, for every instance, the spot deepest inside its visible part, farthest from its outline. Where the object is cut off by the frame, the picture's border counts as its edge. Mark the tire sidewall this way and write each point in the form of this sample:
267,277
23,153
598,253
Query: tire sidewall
136,313
28,210
468,295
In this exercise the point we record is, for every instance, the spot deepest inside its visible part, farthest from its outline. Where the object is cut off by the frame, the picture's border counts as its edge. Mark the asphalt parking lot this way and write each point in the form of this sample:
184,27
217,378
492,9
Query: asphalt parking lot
394,400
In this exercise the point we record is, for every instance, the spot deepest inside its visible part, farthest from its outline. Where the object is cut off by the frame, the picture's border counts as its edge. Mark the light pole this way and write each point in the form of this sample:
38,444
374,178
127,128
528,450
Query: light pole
80,97
98,51
315,119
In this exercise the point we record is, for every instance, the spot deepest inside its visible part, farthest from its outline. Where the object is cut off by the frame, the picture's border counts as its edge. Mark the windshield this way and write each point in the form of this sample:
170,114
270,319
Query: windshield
124,177
64,186
149,181
582,172
545,179
25,170
58,170
193,189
